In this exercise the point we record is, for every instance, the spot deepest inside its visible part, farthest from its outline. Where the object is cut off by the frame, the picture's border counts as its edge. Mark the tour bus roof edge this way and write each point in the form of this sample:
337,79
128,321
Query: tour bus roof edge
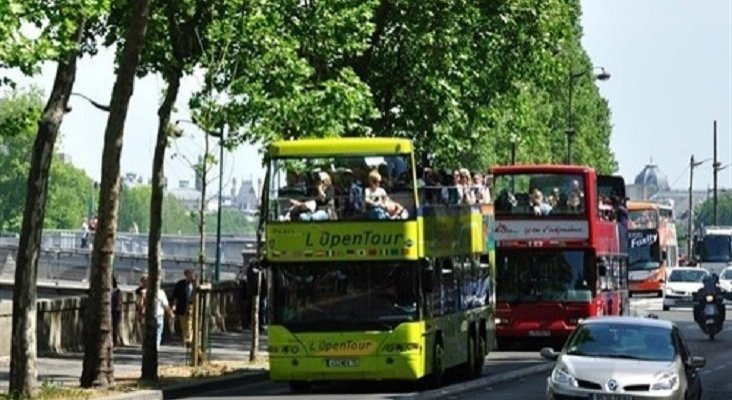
644,205
340,146
539,168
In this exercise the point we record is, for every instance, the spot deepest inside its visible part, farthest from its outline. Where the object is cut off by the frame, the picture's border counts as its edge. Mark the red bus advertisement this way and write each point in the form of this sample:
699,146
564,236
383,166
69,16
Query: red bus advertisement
561,254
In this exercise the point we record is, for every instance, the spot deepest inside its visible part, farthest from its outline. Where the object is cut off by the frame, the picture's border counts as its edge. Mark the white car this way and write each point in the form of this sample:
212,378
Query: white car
681,285
725,282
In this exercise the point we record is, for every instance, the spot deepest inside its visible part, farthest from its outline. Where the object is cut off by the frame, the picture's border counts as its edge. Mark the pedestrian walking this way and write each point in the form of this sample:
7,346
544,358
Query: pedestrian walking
182,305
116,313
140,294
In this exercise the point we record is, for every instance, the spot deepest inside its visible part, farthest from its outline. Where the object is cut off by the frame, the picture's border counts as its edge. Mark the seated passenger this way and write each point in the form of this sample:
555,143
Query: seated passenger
378,204
537,203
354,204
576,197
321,208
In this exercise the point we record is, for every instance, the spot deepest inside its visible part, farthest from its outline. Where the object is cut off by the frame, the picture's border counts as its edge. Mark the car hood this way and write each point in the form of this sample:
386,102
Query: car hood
600,370
685,287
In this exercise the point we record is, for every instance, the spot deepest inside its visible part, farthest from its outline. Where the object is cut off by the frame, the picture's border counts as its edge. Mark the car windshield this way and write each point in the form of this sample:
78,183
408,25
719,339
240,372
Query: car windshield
727,274
687,275
628,341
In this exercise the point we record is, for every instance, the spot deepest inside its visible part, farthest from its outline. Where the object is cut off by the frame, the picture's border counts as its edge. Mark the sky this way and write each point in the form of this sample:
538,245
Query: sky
671,67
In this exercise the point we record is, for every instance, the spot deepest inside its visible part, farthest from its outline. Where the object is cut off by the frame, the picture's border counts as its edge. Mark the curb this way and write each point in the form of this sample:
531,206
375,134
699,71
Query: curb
137,395
222,382
475,384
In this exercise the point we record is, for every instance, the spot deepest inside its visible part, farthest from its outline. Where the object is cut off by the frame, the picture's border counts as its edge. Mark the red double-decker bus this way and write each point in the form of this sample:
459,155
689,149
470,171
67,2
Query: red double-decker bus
561,254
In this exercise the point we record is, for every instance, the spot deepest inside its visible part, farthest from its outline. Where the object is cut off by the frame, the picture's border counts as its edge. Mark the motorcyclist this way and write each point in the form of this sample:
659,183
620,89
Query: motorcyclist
711,287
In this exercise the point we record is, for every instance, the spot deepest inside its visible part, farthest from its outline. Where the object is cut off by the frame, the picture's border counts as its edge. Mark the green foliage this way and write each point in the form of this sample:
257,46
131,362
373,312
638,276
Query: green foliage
69,187
704,213
33,31
71,192
461,78
284,68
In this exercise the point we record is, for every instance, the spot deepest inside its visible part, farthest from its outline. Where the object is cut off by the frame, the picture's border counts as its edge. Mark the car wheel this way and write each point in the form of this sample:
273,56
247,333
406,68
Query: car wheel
666,308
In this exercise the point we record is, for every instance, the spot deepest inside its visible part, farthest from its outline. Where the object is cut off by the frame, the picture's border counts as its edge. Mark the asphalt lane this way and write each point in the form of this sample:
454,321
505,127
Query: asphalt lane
716,381
715,377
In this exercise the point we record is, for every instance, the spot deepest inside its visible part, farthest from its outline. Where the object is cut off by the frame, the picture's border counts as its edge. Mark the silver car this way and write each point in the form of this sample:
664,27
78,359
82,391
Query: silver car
624,358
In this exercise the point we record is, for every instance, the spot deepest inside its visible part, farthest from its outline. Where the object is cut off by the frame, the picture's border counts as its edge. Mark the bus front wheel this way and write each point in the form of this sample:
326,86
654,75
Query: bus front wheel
438,366
480,352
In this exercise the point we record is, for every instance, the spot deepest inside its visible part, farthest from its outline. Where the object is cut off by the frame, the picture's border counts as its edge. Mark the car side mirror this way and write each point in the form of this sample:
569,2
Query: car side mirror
549,353
696,362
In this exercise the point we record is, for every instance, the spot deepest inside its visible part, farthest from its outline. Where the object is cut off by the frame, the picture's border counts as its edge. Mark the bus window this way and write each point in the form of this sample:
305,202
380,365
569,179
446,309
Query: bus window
539,194
341,188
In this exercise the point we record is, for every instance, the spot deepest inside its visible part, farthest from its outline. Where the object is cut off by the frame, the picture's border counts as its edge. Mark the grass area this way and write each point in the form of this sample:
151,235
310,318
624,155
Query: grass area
168,375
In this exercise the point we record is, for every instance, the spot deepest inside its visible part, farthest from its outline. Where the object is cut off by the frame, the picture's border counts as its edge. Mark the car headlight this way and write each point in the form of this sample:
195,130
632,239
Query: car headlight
665,381
561,376
669,290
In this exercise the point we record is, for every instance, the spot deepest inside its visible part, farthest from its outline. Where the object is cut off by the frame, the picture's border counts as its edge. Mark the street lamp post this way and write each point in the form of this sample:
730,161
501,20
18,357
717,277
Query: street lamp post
221,137
603,75
692,164
217,267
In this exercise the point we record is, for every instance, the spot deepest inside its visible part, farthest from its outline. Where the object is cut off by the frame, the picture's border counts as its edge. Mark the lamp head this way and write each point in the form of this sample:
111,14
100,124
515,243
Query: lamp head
603,75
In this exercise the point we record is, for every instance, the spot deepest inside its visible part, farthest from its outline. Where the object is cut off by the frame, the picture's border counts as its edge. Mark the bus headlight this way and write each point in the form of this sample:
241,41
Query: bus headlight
284,349
400,347
501,321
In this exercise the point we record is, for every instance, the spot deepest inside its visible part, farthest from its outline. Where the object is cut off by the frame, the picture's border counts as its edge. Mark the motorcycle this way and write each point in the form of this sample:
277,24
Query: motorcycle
709,311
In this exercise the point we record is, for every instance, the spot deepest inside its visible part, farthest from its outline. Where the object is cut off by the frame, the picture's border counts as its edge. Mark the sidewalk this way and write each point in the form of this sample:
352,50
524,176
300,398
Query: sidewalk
66,368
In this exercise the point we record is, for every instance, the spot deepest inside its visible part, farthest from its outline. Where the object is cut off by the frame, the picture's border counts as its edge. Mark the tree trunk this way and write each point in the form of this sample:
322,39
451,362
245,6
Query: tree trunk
255,317
23,373
98,370
199,312
150,348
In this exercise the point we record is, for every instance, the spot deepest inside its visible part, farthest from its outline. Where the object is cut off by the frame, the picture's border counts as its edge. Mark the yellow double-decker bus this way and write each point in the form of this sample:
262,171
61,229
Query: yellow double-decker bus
367,282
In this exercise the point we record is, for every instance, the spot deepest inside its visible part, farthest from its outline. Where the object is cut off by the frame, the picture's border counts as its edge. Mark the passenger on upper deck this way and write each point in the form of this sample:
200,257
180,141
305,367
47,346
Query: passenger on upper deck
465,192
480,191
378,203
576,197
321,207
537,203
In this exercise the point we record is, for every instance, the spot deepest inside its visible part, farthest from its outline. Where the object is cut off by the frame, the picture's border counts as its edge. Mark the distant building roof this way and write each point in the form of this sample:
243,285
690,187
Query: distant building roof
651,175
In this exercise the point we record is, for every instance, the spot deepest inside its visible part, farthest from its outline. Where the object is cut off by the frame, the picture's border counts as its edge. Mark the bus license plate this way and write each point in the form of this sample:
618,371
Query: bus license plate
342,363
539,333
603,396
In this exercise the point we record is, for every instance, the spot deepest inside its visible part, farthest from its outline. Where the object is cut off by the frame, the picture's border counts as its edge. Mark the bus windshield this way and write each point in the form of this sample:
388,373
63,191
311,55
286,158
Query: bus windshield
344,295
544,276
643,219
644,250
715,248
341,188
539,194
